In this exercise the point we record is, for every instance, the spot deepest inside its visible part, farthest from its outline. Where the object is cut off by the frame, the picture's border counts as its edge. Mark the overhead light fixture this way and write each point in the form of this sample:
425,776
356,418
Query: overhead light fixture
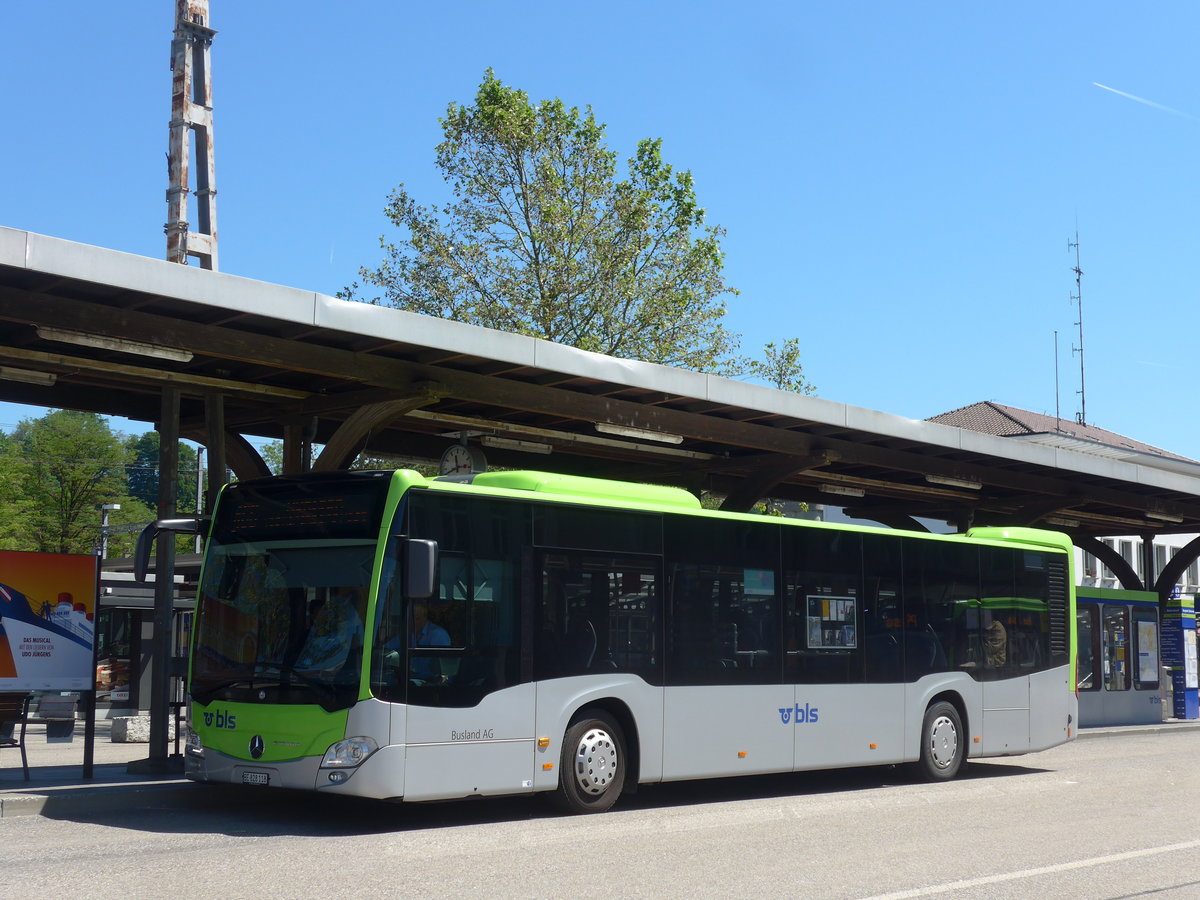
951,481
1061,522
120,345
28,376
641,434
1164,517
503,443
842,489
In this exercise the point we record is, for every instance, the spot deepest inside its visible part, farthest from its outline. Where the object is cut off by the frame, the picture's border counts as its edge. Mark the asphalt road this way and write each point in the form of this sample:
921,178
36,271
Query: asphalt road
1111,817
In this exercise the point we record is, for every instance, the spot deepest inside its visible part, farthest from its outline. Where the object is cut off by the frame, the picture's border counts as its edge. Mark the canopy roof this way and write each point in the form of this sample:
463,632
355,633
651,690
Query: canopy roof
288,361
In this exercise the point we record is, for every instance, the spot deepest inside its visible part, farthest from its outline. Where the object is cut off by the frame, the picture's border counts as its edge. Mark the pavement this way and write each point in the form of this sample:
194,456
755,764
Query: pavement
57,789
56,786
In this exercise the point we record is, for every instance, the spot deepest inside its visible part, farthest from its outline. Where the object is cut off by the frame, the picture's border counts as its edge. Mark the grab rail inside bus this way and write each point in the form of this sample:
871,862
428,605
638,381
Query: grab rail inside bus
141,555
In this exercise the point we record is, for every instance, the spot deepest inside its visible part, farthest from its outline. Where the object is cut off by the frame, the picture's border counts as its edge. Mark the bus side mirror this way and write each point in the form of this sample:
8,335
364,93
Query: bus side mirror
419,559
141,555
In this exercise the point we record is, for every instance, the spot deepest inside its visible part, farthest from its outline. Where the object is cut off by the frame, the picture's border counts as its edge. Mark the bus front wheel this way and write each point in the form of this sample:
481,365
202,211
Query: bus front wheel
592,763
943,743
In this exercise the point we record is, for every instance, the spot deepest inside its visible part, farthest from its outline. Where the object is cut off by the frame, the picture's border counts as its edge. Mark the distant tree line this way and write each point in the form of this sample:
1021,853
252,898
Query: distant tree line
57,470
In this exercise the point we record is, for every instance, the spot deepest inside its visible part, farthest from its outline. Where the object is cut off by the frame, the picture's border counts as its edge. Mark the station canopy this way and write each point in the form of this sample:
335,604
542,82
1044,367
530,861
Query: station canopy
86,328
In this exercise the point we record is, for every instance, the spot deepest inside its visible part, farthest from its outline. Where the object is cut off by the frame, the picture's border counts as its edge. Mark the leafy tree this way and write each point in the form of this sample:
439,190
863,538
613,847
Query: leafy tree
68,463
141,474
781,368
124,526
272,454
14,506
544,238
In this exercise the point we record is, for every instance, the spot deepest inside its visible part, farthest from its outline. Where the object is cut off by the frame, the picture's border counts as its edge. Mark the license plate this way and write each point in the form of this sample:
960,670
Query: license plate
256,778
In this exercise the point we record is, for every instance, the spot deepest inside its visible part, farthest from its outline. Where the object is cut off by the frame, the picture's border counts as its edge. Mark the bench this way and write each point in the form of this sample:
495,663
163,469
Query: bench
14,711
58,712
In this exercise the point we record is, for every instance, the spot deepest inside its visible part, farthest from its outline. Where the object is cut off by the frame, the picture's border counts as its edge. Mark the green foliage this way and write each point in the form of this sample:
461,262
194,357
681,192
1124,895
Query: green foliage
121,539
780,509
543,238
272,454
781,368
15,507
141,473
55,473
64,466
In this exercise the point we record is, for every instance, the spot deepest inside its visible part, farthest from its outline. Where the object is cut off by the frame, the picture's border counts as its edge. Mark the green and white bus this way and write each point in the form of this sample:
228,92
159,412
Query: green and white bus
387,635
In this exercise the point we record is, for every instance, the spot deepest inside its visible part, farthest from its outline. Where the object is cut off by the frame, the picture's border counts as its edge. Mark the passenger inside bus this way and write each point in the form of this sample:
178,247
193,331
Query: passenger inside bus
335,633
995,644
424,633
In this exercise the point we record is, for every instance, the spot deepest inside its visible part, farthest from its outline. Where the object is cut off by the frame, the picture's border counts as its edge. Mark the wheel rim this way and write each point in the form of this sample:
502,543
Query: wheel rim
596,761
943,742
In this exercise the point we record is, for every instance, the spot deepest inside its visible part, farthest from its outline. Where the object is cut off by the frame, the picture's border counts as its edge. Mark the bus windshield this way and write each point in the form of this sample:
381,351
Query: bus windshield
282,623
283,597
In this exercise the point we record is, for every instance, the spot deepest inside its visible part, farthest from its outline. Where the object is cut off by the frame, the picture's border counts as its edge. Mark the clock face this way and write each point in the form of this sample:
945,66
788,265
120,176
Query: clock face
460,460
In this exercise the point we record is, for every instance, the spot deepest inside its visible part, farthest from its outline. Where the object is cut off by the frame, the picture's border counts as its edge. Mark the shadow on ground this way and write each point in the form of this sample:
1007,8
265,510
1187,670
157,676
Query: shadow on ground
262,812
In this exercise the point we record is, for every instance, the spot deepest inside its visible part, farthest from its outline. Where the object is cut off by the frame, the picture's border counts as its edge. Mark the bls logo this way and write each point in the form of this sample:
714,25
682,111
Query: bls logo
220,720
803,715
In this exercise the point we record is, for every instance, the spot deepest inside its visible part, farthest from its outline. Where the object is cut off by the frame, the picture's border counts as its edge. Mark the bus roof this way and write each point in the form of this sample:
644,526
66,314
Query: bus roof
661,498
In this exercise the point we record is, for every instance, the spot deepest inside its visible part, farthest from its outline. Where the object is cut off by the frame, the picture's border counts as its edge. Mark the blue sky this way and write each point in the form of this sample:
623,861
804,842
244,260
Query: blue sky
899,181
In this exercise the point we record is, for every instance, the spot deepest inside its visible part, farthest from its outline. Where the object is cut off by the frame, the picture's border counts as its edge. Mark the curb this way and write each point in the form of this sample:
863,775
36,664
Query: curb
81,801
1124,730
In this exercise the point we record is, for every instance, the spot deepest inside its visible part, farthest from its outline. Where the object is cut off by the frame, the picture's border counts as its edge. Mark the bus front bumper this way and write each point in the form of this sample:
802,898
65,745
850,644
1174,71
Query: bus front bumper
381,775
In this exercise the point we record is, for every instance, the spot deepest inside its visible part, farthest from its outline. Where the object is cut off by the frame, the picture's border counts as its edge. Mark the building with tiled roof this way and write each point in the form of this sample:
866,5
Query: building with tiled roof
990,417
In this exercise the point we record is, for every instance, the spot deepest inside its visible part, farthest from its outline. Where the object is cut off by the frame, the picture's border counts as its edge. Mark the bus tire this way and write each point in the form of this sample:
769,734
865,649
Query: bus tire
943,743
592,765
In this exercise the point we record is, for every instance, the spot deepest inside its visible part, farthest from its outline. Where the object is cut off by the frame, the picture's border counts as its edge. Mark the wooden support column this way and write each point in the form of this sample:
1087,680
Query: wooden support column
1173,573
294,455
164,580
1148,574
351,436
766,475
164,588
214,422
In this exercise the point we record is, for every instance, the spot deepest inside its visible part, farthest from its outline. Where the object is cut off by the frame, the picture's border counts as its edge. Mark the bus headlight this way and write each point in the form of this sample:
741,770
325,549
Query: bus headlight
193,744
349,753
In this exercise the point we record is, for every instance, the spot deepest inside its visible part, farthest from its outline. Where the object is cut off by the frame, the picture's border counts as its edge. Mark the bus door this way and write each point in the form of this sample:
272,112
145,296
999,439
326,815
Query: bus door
469,719
1002,671
597,634
723,664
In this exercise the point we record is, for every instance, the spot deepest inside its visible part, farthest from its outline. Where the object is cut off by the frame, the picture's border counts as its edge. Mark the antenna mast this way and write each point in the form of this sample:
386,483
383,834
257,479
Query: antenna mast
1057,413
191,118
1077,298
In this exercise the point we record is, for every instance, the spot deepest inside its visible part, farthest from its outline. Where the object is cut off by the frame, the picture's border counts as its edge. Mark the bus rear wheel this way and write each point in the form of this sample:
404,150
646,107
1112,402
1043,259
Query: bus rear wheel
592,765
943,743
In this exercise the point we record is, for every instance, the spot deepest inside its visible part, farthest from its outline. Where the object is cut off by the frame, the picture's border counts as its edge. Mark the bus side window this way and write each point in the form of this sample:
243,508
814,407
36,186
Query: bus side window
823,577
941,587
1086,621
598,612
722,619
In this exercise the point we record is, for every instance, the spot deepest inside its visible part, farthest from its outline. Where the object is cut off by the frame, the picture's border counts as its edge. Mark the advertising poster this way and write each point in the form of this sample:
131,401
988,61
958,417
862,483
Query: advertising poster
47,621
1147,651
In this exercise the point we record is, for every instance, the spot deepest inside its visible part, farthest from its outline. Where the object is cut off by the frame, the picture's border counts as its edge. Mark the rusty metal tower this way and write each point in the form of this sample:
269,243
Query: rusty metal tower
191,141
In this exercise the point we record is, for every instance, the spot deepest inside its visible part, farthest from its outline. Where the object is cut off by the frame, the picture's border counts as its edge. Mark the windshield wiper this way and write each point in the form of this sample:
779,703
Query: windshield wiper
285,676
275,677
205,693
